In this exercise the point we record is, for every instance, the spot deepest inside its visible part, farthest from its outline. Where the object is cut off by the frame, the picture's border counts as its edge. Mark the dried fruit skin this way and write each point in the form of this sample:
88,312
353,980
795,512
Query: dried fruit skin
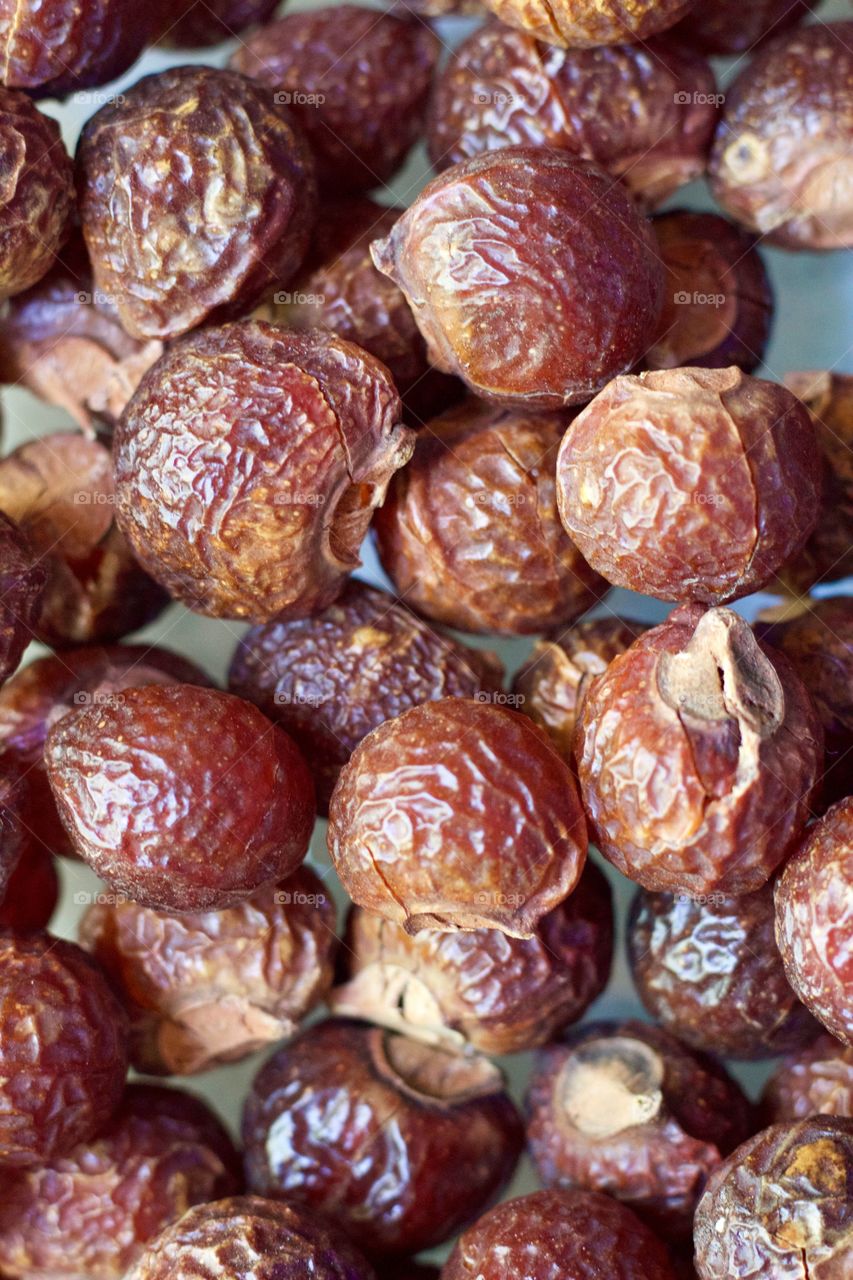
185,799
697,755
816,1080
708,969
781,159
205,989
328,680
400,1142
240,523
582,24
32,892
54,49
515,244
651,471
413,837
215,20
781,1206
814,920
93,1211
226,217
481,989
23,579
727,26
63,1048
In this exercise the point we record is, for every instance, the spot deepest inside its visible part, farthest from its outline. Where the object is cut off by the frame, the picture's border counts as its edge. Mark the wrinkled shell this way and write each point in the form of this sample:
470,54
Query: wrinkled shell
817,1080
730,26
23,578
199,25
457,815
584,23
32,892
56,48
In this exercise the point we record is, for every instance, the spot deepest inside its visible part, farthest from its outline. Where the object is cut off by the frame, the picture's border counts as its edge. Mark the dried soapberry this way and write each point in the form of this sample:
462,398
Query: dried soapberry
625,1109
356,80
729,26
32,891
708,969
580,24
206,989
816,1081
198,25
457,815
93,1211
645,113
781,159
718,303
23,579
196,196
697,754
781,1206
481,988
690,484
814,920
530,274
330,679
63,1052
185,799
285,509
316,1131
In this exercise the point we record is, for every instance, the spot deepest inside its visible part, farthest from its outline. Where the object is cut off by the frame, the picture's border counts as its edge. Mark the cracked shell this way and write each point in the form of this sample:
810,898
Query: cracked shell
729,26
23,579
581,24
817,1080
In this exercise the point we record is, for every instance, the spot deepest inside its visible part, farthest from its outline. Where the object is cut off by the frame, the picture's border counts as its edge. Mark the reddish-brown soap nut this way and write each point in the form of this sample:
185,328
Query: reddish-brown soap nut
718,303
61,492
530,274
400,1142
729,26
241,522
645,113
481,989
457,815
690,484
330,679
576,1235
781,161
183,798
205,989
32,892
470,534
93,1211
698,752
194,25
23,578
780,1206
580,24
814,920
818,1080
196,196
708,969
63,1050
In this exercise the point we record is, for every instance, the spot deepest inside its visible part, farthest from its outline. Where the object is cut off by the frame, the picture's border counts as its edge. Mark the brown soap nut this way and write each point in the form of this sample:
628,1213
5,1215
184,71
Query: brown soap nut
284,510
316,1131
356,80
330,679
198,26
457,815
530,274
698,753
470,534
205,989
196,196
728,26
781,160
624,1108
481,989
23,578
817,1080
581,24
690,484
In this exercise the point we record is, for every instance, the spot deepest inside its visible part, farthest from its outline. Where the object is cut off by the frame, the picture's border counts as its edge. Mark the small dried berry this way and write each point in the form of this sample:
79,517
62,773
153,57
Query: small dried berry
23,579
817,1080
199,25
32,891
729,26
54,49
580,24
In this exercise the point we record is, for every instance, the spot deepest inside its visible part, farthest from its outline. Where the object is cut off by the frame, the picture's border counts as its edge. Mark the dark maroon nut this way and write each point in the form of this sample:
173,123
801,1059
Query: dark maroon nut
93,1211
196,196
409,1269
698,752
61,492
729,26
12,830
690,484
401,1142
481,989
23,579
284,510
330,679
781,1205
198,25
580,24
707,968
814,920
185,799
718,302
32,891
457,815
817,1080
205,989
781,158
356,80
470,534
63,1054
645,113
517,244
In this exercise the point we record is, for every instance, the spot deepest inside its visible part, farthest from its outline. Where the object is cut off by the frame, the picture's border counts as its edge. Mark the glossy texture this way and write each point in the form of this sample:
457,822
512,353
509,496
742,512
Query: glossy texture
400,1142
583,23
729,26
22,582
200,25
54,49
284,510
457,815
816,1080
32,892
